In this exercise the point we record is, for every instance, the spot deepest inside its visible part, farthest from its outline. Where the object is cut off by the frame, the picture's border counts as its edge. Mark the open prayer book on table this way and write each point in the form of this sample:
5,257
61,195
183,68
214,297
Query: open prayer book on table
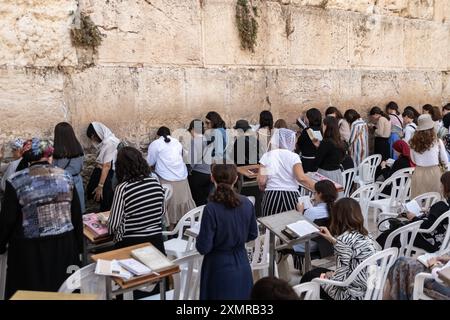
152,258
300,229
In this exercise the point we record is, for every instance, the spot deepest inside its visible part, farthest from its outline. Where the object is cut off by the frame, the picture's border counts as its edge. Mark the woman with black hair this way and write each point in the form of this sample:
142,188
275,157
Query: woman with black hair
138,204
264,132
101,182
396,125
216,136
330,151
227,224
382,131
344,127
69,155
414,111
165,155
305,146
200,171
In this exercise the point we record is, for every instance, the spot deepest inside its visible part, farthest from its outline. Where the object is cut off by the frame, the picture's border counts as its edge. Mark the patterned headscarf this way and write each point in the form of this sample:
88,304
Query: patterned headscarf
17,144
283,139
39,148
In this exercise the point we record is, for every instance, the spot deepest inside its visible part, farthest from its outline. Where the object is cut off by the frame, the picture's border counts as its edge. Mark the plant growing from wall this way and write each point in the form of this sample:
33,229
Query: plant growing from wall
247,24
86,34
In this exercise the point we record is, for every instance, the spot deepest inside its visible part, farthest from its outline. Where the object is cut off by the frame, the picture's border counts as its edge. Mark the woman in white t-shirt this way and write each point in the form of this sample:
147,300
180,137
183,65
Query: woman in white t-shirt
281,173
165,155
428,153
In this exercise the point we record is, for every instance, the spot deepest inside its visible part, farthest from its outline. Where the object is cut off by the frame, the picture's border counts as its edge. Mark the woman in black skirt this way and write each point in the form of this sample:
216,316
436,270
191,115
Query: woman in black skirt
381,123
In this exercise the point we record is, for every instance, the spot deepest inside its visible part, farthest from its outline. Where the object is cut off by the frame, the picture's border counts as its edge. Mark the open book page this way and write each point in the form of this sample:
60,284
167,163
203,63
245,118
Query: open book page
152,258
424,258
306,201
413,207
390,162
318,135
111,268
302,228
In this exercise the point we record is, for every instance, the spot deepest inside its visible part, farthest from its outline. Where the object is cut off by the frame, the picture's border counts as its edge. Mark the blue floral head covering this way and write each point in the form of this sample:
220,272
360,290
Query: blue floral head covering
39,148
17,144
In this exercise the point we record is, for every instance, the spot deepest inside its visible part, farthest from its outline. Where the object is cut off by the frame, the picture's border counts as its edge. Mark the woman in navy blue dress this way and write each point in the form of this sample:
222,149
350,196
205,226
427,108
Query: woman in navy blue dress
228,222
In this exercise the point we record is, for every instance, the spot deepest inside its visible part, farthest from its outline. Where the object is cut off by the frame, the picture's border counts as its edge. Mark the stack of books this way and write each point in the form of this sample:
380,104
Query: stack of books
98,228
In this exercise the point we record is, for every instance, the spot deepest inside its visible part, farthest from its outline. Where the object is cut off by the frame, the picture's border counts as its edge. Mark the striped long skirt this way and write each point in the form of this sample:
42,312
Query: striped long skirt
274,202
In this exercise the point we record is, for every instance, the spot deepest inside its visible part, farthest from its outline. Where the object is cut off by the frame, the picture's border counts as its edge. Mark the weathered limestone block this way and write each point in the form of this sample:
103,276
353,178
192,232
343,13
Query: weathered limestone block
376,41
363,6
416,88
148,32
346,89
293,91
426,45
445,87
221,39
320,38
442,11
31,103
36,32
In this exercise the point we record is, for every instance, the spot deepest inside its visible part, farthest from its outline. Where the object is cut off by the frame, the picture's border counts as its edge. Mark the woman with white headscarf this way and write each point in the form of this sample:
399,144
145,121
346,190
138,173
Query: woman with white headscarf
281,173
100,184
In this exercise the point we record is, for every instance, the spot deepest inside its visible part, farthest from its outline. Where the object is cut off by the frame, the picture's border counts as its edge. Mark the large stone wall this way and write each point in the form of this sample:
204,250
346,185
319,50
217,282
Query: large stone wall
168,61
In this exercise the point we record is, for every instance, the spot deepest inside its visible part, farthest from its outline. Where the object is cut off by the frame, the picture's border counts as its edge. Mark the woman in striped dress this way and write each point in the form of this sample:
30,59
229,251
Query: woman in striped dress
280,174
359,136
352,245
138,204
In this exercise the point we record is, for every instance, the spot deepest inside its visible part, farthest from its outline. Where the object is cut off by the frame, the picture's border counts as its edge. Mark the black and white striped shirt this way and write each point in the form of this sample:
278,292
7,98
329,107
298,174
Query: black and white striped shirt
137,209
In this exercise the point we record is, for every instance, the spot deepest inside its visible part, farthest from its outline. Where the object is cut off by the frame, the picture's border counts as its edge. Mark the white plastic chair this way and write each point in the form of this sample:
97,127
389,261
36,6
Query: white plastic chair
309,291
425,202
419,281
186,283
445,246
364,195
348,177
366,170
86,281
407,236
3,266
260,254
377,267
252,199
400,183
177,246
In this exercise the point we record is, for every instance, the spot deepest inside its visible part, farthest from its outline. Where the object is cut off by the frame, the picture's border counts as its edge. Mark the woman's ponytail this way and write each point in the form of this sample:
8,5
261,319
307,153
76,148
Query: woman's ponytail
225,176
328,193
165,133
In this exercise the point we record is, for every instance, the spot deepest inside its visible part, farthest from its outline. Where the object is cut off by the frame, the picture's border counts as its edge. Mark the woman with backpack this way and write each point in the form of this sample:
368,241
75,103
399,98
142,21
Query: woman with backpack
396,125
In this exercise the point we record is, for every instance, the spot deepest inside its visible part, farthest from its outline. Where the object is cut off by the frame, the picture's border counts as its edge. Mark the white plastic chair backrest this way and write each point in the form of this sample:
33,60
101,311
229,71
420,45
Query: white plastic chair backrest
86,281
260,256
400,183
309,291
368,167
426,200
186,282
407,236
445,246
348,177
252,199
378,267
364,195
168,191
188,221
3,265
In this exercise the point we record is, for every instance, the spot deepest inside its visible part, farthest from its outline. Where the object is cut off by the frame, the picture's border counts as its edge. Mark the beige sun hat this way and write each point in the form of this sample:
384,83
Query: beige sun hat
425,122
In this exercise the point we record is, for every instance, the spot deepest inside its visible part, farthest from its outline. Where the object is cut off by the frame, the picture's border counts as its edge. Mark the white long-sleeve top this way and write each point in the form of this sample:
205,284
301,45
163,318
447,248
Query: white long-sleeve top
433,157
